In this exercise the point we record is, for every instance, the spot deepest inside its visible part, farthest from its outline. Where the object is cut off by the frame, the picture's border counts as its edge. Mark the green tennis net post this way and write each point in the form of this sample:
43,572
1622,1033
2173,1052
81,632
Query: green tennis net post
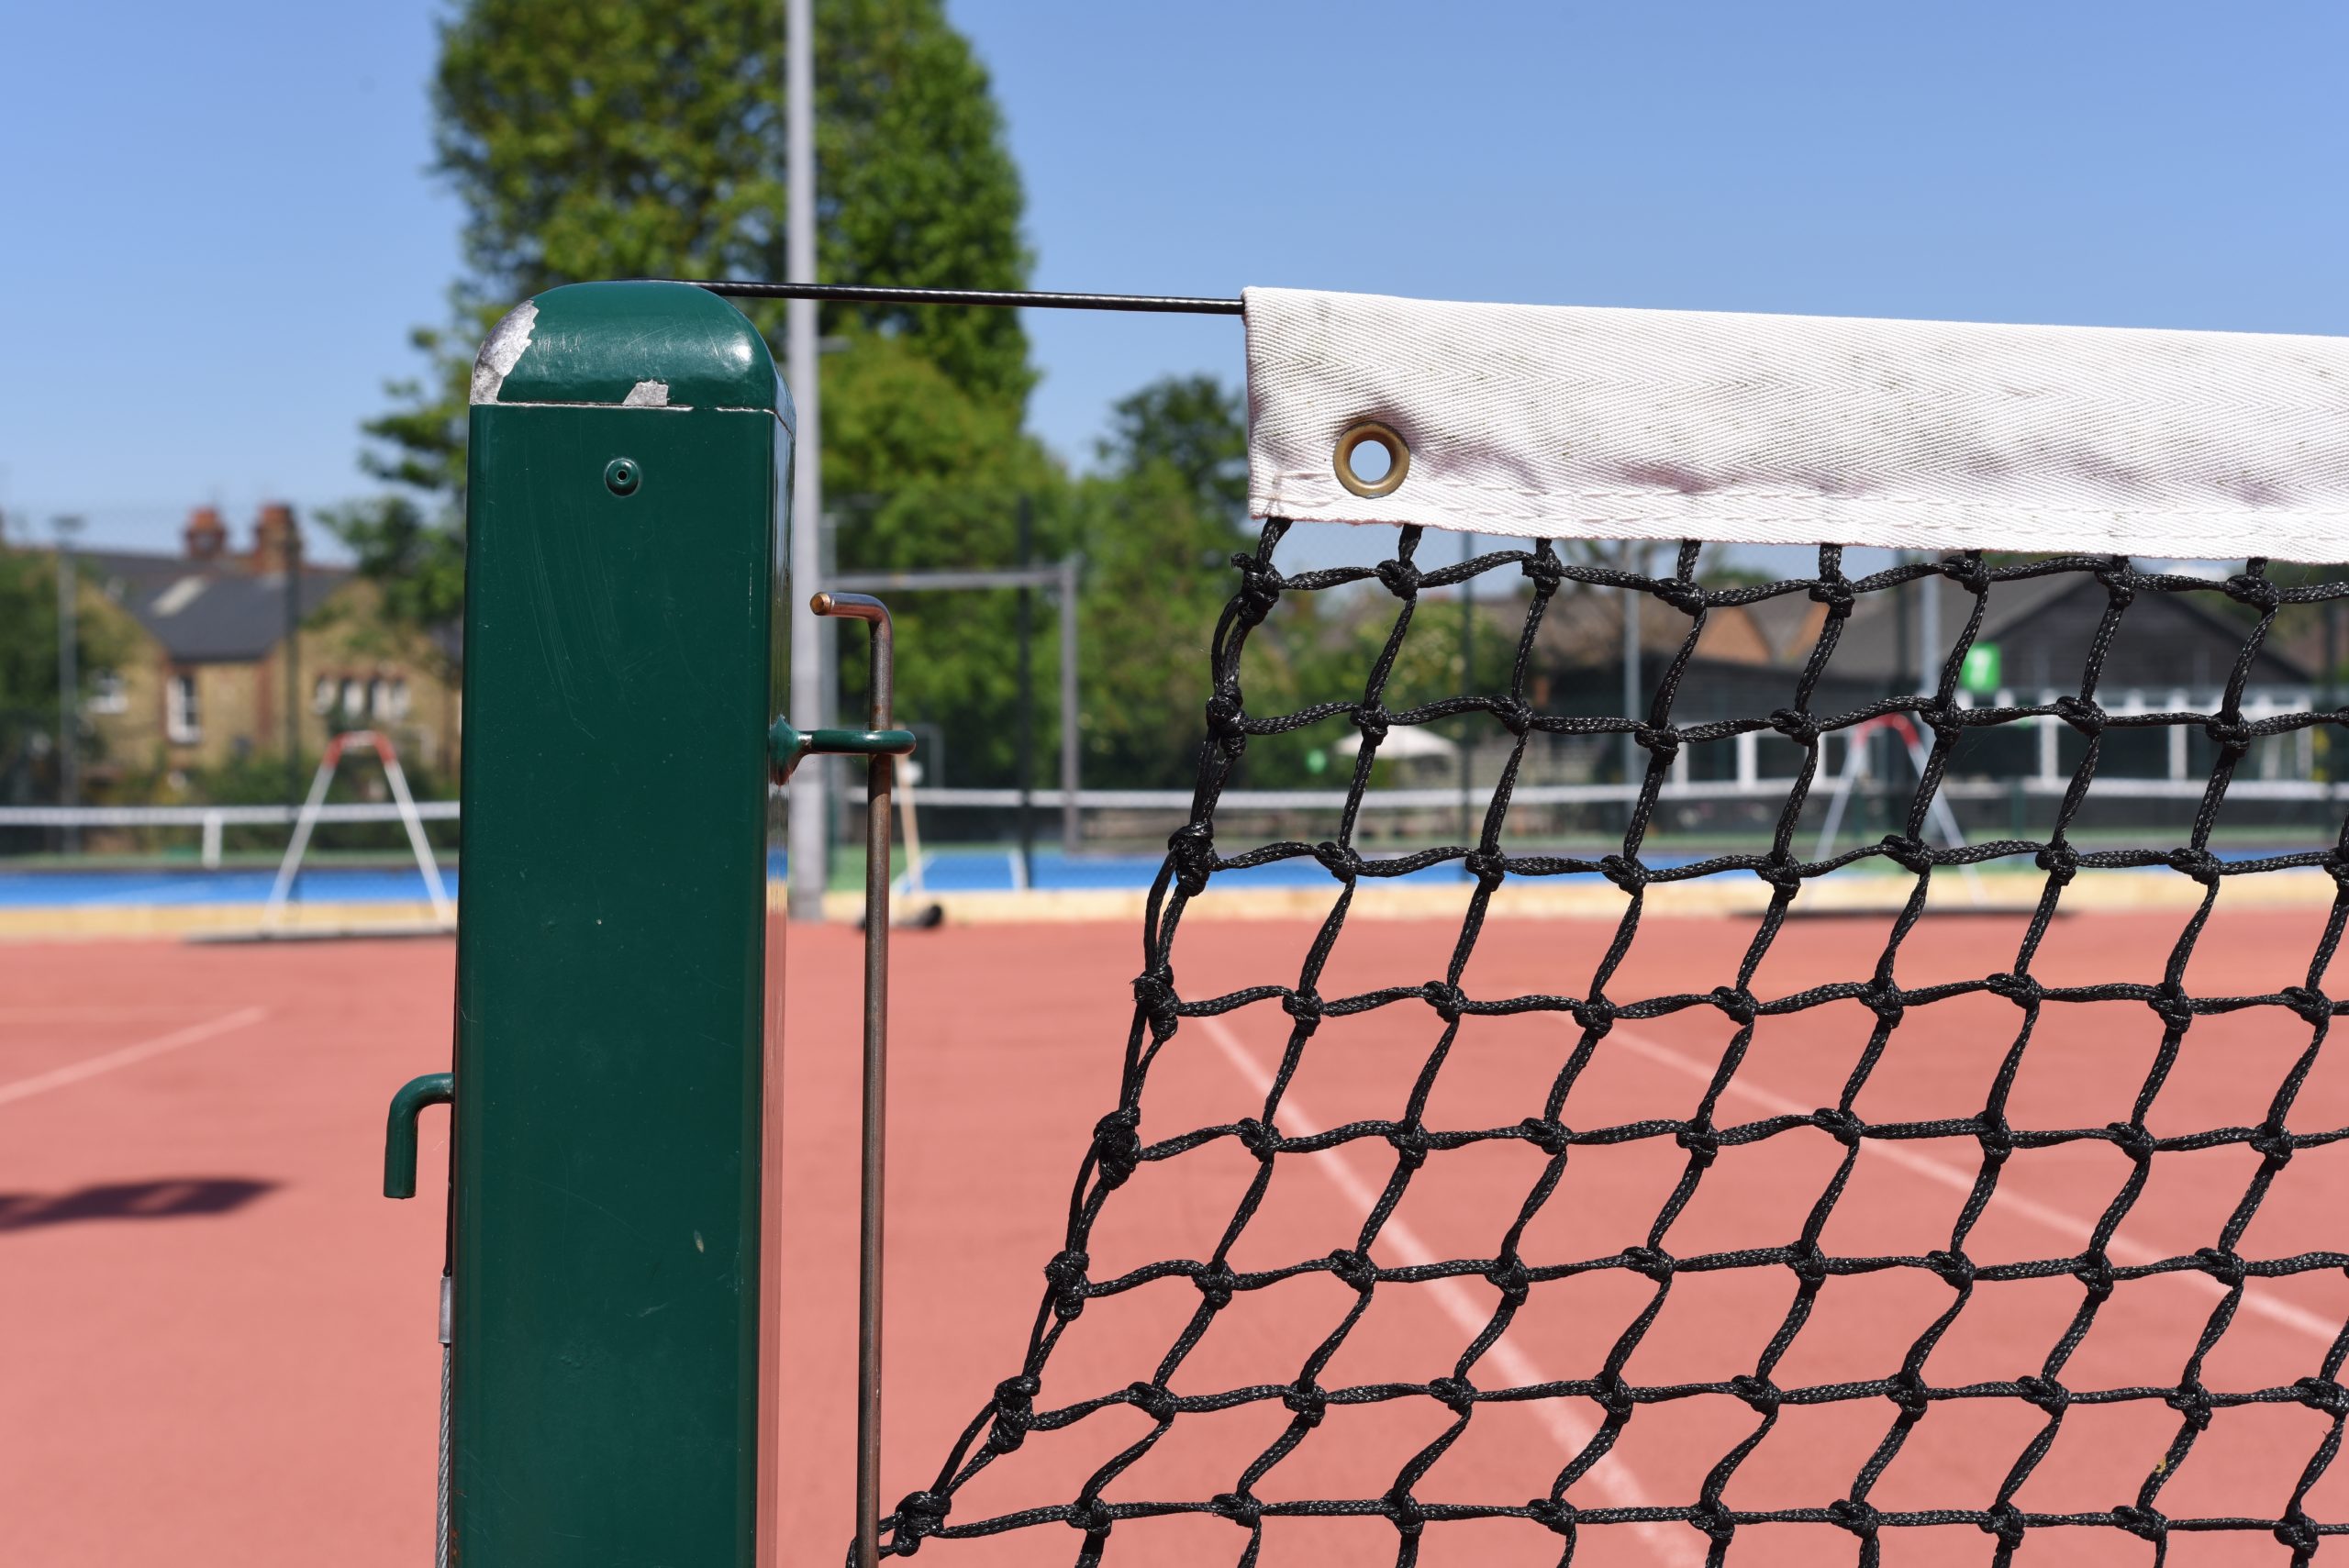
630,448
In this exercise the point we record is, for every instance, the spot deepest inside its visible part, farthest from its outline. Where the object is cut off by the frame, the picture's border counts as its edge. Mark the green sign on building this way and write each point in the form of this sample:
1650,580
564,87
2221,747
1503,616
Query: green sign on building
1981,673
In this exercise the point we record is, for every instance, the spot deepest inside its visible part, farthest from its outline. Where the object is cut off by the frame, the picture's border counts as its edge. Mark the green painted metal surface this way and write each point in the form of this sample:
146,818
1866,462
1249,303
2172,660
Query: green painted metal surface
629,448
399,1129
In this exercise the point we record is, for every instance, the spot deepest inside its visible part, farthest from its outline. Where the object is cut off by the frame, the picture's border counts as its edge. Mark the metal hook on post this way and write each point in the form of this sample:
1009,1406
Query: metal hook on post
881,746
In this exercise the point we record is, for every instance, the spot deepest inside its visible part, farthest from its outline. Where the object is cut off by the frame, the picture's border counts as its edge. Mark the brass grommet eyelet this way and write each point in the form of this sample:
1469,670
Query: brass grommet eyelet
1398,459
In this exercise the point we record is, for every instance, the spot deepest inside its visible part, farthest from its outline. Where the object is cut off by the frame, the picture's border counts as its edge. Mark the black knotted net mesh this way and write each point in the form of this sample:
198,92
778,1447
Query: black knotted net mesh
1465,1383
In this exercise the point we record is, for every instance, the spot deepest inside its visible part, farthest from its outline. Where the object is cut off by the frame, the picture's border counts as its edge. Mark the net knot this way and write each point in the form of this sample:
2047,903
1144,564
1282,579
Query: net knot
1456,1395
1861,1518
1884,998
1511,1278
1152,1400
1155,994
1015,1412
2273,1142
1703,1144
1192,848
1681,594
2060,862
1998,1139
1403,1511
2145,1524
2313,1006
1946,720
2299,1533
1339,860
1907,1391
1799,728
1305,1007
2046,1393
1066,1274
1655,1264
2232,735
1352,1268
1373,721
1260,588
1400,577
1090,1515
1261,1139
1808,1261
2323,1394
1908,854
1544,567
1837,593
1225,724
1487,866
2083,714
1445,998
919,1514
1308,1404
1552,1514
1117,1148
1969,571
1596,1015
1844,1127
1626,873
1664,744
1515,715
1550,1136
2336,866
1761,1396
2006,1522
2132,1139
1237,1507
2021,989
1215,1283
2171,1005
2224,1266
1614,1396
1780,871
1712,1520
1411,1145
2258,592
2191,1401
2119,580
1956,1269
2095,1272
1737,1002
2200,864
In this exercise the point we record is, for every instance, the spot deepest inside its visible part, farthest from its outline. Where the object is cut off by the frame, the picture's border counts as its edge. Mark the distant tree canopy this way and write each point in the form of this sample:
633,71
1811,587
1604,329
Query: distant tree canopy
604,138
28,672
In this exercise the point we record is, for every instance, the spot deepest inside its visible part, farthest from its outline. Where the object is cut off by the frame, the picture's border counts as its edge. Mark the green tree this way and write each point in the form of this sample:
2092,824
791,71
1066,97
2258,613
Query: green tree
28,673
612,140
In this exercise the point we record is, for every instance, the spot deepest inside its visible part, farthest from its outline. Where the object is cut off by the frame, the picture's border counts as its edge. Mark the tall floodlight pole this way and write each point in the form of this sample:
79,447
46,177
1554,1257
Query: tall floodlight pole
807,824
68,680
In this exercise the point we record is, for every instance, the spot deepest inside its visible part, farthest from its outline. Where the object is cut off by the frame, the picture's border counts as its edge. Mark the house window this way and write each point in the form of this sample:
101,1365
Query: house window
106,692
183,719
354,698
393,703
322,695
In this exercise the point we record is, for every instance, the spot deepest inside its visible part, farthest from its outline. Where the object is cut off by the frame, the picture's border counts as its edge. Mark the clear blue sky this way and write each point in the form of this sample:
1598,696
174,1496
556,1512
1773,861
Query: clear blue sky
219,227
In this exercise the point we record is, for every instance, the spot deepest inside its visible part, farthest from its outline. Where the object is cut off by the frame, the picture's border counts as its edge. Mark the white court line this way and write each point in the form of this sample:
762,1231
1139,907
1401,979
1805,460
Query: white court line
1672,1543
75,1072
2121,1249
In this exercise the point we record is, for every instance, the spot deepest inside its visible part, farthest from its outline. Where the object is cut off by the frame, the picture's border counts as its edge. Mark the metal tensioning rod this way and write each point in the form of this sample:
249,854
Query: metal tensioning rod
1023,299
880,771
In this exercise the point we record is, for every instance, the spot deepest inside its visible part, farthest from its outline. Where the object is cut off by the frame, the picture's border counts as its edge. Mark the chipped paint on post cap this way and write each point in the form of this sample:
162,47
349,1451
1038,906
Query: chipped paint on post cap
562,348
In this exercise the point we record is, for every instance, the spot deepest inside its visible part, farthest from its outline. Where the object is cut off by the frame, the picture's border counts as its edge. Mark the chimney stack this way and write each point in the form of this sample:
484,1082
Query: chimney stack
276,539
206,537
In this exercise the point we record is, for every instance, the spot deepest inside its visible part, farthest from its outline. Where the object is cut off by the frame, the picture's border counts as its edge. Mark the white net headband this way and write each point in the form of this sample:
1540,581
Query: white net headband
1561,421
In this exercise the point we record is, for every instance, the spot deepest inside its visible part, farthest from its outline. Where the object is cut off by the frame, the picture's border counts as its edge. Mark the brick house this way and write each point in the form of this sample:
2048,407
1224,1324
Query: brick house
201,681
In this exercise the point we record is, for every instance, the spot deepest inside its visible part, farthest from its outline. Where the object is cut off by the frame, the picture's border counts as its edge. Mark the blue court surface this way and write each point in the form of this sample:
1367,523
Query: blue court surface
150,888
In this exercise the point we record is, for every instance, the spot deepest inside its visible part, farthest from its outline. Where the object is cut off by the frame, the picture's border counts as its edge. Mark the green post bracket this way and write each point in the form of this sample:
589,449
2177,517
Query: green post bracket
629,450
786,745
399,1131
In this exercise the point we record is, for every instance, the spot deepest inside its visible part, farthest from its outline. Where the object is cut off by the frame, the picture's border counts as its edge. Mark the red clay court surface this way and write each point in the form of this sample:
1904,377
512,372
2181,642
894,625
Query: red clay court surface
221,1337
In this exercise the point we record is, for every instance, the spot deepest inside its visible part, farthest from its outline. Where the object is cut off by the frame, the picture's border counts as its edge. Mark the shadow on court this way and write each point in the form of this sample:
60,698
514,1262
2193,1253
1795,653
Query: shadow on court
176,1199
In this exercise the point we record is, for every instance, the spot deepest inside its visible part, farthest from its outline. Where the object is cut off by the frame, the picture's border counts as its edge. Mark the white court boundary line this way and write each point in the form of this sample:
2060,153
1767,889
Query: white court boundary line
1671,1543
2121,1249
90,1067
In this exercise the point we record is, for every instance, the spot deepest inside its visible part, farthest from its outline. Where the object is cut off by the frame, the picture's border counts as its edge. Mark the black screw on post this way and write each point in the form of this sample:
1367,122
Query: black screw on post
1026,732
